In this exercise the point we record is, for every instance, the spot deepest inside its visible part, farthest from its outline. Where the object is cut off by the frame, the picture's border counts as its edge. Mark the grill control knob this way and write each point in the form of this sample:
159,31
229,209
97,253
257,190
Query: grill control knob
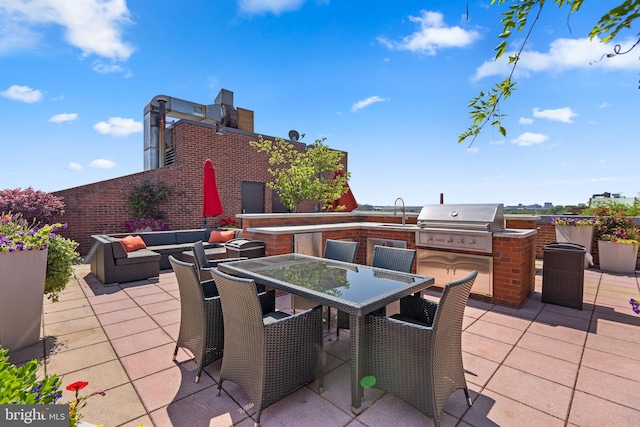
450,240
461,241
472,241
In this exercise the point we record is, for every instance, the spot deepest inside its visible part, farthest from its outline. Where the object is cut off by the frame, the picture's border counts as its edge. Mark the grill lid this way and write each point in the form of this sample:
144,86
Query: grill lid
487,217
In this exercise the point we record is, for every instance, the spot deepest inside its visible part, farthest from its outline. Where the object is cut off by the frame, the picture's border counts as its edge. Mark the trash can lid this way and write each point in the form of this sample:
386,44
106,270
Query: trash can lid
564,246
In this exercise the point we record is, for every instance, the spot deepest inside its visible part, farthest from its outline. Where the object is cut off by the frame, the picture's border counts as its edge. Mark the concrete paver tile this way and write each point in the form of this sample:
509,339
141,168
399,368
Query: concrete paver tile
496,332
119,405
617,389
485,347
80,358
129,327
164,387
551,346
589,410
544,366
121,316
492,410
203,408
616,346
140,342
70,326
546,396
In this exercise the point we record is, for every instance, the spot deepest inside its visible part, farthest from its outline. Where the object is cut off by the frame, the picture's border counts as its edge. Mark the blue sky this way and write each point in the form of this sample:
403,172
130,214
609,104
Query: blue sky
388,82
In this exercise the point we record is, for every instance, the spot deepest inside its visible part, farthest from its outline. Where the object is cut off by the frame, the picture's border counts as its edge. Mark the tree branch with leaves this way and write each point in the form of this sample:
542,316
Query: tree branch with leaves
485,108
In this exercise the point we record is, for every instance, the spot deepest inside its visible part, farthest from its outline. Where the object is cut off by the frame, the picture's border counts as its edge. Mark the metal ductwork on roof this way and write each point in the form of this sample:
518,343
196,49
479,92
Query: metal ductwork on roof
222,113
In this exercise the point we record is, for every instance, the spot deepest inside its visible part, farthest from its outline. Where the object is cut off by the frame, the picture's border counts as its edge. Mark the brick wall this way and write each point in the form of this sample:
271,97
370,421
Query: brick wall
102,207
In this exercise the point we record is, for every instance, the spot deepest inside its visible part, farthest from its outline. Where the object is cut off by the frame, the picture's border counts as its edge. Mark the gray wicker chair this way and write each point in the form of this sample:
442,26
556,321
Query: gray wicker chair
391,258
201,326
205,265
417,354
268,356
339,250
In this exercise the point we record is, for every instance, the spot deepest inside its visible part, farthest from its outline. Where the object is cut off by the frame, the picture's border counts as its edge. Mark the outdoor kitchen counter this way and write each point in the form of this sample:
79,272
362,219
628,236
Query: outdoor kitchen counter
507,232
293,229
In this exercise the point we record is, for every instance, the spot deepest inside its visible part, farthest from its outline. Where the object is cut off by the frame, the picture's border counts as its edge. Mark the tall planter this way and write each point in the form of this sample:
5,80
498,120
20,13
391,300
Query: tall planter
617,257
580,234
22,276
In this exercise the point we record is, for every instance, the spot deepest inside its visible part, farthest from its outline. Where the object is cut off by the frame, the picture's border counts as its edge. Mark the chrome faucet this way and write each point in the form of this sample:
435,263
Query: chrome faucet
395,204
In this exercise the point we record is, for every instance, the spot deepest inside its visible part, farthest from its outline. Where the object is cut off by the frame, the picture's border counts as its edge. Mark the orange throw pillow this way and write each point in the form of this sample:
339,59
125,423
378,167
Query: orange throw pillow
223,236
132,243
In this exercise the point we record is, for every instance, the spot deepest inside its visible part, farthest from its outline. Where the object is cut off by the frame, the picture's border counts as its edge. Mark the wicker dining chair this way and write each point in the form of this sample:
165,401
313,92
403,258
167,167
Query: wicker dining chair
339,250
205,265
417,355
201,326
390,258
268,355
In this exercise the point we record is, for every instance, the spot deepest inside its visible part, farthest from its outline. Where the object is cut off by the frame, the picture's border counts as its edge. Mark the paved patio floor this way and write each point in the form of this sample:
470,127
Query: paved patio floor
541,365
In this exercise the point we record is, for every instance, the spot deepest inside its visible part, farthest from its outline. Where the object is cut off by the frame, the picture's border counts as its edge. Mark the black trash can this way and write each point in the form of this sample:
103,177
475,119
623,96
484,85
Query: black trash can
244,248
563,274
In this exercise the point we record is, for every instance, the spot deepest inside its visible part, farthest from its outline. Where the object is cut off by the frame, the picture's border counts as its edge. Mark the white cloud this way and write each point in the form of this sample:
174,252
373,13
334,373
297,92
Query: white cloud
528,139
23,94
432,35
93,26
564,115
102,68
274,6
366,102
472,150
605,105
498,142
564,54
525,120
102,164
74,166
117,126
64,117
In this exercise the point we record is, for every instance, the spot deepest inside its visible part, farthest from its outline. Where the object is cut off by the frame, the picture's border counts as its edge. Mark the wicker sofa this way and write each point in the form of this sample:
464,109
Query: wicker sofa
111,263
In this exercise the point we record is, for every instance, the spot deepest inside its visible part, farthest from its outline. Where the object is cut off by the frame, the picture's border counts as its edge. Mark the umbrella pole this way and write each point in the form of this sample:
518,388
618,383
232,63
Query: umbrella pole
204,222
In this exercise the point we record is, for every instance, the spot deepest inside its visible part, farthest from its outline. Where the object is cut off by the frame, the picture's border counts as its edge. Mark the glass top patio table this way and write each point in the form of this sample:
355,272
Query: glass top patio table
353,288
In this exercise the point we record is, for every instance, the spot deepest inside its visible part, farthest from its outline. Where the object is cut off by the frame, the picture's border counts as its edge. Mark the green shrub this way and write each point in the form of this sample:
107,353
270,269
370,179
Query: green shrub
60,259
20,385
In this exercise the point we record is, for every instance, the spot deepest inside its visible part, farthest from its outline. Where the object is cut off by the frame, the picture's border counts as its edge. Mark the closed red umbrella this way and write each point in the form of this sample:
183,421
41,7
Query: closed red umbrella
211,203
347,199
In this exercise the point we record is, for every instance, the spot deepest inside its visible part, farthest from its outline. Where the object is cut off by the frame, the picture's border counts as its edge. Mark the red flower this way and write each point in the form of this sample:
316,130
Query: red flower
77,386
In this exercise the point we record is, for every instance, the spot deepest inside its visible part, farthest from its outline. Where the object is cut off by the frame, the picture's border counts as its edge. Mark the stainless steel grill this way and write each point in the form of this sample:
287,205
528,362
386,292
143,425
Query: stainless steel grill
467,227
485,217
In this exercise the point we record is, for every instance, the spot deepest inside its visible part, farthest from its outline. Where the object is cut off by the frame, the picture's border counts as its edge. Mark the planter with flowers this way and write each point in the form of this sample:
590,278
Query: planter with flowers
33,261
228,222
576,230
617,241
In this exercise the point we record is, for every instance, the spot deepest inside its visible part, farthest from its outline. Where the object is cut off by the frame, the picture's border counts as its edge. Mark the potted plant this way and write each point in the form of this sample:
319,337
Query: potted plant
576,230
617,241
228,222
34,260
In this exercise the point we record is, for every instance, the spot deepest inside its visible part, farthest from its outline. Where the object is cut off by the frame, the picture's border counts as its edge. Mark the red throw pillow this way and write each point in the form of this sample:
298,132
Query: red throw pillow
132,243
223,236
